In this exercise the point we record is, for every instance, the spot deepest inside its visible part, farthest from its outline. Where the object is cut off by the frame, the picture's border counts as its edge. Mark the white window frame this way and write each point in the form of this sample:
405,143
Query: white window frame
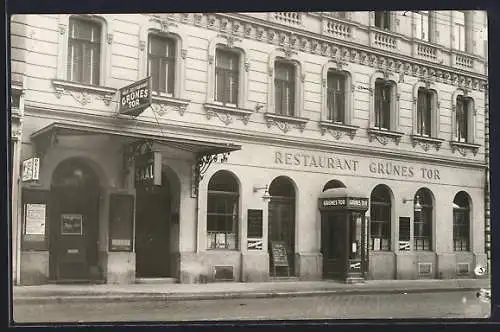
458,30
150,25
279,55
394,115
419,25
238,47
106,43
471,117
435,118
349,92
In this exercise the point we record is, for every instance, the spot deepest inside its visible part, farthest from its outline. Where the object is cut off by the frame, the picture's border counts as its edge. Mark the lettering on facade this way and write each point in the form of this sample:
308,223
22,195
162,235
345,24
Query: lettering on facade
381,168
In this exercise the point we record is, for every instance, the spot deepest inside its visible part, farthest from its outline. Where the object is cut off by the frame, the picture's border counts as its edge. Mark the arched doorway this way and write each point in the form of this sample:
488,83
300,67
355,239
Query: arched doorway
152,230
74,222
281,216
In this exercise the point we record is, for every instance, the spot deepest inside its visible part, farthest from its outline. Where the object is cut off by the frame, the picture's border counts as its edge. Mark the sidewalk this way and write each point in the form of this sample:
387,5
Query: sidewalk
171,292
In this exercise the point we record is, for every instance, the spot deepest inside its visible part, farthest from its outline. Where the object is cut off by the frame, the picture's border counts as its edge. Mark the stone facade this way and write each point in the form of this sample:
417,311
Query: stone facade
314,43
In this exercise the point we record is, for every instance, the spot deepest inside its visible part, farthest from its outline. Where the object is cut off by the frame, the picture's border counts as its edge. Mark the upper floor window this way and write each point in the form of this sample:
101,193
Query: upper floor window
336,95
461,222
462,122
383,102
423,25
284,87
84,51
383,20
459,30
425,104
227,74
161,64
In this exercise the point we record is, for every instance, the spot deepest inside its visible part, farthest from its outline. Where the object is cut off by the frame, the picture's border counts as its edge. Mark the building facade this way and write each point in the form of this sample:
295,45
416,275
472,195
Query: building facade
253,117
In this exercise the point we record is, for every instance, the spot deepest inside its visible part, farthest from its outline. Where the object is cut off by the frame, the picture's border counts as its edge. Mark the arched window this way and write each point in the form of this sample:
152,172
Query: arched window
422,224
222,211
380,219
461,222
333,184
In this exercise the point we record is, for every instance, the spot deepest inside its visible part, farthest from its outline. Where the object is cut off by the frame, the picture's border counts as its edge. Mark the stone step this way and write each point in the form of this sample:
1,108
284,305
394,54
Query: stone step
155,281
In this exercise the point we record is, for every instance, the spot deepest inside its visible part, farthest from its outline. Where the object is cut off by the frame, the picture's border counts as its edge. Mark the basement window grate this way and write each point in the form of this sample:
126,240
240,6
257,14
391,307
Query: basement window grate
223,273
463,268
424,268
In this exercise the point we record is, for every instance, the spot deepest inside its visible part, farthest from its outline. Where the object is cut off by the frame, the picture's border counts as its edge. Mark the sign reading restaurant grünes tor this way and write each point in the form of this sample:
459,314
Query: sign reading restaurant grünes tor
136,97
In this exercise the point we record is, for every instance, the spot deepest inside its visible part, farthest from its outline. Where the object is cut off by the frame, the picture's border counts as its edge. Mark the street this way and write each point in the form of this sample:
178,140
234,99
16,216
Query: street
414,305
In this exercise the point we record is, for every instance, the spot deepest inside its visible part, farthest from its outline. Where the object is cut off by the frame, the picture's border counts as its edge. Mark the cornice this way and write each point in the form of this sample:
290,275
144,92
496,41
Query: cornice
238,136
306,41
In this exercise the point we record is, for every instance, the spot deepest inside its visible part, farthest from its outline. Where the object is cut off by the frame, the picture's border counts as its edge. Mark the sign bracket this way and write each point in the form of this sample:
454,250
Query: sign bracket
134,149
202,163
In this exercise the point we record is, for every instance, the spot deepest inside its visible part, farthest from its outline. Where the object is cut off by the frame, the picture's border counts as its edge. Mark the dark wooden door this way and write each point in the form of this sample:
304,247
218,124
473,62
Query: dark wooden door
281,227
73,233
334,245
152,234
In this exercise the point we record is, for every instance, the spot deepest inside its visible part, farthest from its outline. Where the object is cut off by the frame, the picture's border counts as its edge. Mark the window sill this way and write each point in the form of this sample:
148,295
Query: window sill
463,148
383,136
284,122
225,113
426,142
338,129
82,92
161,104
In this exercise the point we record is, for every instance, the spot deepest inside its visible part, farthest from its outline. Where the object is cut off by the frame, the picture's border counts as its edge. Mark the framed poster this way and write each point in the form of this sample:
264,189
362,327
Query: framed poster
254,223
71,224
121,222
34,220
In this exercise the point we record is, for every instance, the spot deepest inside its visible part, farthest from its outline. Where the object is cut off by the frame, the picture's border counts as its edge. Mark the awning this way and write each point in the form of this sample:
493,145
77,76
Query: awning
342,199
44,137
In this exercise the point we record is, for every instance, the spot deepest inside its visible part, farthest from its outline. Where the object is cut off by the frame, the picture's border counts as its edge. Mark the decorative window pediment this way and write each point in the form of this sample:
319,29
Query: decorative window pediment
83,93
338,130
426,142
226,113
284,122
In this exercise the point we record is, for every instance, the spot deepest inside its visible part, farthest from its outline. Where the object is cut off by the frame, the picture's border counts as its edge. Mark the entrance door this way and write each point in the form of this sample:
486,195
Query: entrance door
334,245
152,232
74,223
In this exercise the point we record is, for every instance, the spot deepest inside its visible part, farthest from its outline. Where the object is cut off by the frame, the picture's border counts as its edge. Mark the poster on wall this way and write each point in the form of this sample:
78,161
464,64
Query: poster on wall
34,219
31,169
71,224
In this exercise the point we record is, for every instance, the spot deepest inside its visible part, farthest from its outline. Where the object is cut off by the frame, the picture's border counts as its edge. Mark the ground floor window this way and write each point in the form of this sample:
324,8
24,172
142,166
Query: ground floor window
461,222
423,221
222,212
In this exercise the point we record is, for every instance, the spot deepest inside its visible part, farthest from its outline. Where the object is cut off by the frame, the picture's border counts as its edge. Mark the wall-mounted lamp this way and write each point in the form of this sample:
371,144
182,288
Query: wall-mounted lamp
266,195
417,207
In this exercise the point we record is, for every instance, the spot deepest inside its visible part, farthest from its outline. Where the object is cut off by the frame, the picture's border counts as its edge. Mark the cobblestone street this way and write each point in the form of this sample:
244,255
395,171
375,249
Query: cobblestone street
419,305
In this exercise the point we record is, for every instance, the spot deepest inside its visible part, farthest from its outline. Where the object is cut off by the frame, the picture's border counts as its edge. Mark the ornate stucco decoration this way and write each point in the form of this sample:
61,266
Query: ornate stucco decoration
82,93
338,130
426,142
225,114
161,105
284,123
384,136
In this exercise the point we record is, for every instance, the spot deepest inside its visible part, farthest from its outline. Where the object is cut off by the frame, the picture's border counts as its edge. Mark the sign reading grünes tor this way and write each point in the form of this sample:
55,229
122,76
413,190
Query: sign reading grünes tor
135,98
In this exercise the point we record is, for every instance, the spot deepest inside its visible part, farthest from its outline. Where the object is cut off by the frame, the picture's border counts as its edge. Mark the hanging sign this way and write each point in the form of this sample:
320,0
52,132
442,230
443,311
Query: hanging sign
136,97
148,169
31,169
354,203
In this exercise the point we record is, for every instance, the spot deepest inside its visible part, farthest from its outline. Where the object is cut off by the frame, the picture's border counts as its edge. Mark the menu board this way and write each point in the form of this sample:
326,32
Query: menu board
254,223
71,224
35,212
121,217
279,254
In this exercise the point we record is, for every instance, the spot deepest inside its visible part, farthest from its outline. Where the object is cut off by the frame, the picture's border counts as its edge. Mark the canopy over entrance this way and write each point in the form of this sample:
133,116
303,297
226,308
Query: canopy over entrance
342,199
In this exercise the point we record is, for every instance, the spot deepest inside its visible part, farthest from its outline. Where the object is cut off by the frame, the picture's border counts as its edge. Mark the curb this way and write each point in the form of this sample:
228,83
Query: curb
138,297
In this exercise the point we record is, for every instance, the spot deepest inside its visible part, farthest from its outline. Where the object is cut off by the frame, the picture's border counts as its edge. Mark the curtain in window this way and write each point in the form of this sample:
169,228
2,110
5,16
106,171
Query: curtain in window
424,110
383,92
336,97
84,51
161,63
284,87
226,77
